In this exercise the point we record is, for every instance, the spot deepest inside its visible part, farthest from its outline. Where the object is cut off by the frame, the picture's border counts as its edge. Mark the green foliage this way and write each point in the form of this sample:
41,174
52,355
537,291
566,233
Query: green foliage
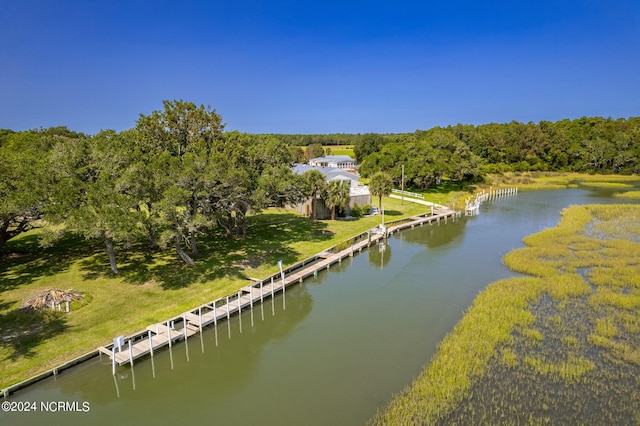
369,143
428,158
25,177
314,185
359,211
380,186
336,195
314,150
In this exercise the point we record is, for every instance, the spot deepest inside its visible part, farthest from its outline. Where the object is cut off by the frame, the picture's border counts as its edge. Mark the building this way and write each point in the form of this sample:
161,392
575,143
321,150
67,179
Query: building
343,162
359,193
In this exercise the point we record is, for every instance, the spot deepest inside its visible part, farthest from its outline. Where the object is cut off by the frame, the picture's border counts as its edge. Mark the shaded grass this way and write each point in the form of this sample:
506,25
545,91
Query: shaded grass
528,348
152,285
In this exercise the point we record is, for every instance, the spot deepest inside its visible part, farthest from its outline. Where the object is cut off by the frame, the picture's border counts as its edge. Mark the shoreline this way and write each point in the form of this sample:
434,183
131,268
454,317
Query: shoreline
400,224
463,358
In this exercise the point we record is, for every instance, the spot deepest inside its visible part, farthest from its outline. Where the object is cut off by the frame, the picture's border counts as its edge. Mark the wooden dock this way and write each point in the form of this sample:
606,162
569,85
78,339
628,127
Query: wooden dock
126,350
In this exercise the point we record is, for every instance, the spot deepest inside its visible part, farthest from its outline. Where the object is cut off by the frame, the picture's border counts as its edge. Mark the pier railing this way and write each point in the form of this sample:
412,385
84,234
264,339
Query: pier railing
472,205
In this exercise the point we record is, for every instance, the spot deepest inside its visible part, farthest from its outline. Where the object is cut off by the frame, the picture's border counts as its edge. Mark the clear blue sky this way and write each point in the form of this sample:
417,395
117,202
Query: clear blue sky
298,66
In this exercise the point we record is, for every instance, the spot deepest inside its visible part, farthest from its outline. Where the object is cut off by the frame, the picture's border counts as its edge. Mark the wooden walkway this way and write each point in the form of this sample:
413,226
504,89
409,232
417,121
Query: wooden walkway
127,350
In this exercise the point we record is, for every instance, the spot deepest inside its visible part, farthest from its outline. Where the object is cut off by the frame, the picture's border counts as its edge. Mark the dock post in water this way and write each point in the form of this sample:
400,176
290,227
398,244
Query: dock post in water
284,298
228,319
240,309
186,343
215,322
170,344
261,301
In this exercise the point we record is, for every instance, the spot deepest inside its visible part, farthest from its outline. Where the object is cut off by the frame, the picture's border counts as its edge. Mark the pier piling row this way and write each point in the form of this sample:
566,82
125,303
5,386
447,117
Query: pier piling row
126,350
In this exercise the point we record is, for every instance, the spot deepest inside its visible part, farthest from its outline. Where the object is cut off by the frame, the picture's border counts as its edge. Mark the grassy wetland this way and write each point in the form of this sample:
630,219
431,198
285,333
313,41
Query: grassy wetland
559,345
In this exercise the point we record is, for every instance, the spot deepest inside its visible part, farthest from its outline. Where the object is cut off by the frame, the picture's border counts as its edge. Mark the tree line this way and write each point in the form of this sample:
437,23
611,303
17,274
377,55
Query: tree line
178,174
173,178
468,152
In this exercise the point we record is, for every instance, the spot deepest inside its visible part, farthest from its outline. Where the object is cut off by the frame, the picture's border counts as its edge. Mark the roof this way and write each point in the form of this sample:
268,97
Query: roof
332,173
329,172
334,159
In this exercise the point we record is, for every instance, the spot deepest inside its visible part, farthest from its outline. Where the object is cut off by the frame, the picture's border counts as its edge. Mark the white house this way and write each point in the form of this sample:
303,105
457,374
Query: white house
343,162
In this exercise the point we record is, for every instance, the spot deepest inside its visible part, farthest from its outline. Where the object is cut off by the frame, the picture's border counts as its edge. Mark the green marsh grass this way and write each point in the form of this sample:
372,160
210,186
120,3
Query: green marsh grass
560,347
635,195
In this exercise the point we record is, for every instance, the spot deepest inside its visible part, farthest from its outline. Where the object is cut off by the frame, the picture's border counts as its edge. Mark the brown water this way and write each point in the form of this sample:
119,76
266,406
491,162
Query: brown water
347,341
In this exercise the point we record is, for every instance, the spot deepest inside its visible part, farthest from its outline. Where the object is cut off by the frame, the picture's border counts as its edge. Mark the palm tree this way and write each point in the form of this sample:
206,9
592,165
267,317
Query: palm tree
380,185
337,193
315,183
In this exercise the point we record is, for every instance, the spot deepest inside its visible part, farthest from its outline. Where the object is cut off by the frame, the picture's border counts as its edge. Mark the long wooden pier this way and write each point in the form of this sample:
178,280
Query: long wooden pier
126,350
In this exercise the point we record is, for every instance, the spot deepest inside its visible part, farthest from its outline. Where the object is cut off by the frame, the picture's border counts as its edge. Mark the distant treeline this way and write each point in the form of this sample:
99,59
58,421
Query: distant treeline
590,145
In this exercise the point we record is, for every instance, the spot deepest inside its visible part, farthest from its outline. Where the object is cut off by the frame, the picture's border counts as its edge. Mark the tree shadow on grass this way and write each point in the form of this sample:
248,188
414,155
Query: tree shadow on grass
24,329
25,260
268,240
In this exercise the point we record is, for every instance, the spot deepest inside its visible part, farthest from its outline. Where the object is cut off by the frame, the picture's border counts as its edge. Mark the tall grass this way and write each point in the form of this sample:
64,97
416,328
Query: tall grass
585,251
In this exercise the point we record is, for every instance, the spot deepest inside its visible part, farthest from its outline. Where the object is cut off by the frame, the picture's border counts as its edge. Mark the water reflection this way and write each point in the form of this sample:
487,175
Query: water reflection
233,362
379,254
433,236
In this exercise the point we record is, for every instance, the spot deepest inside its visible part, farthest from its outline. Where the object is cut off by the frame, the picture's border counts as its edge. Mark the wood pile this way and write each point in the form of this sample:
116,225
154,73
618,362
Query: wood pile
53,299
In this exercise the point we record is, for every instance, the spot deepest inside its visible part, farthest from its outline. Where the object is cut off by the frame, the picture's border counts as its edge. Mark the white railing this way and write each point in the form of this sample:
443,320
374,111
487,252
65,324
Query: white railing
472,206
410,194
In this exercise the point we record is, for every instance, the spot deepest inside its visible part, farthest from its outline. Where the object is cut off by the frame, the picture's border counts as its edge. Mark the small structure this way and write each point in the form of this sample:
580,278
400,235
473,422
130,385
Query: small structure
52,299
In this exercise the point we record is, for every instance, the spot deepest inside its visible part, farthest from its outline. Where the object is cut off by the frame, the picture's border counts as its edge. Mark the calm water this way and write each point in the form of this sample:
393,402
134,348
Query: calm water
346,342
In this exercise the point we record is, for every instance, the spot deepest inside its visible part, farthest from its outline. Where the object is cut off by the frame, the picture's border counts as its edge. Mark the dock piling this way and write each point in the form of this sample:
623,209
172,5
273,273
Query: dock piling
186,343
251,303
228,318
215,322
240,309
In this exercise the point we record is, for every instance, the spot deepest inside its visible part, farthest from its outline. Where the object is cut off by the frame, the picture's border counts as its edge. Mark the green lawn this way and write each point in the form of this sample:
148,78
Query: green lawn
340,150
151,286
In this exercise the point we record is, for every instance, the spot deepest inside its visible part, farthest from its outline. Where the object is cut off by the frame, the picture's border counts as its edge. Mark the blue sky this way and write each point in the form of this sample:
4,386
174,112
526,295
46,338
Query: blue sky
318,66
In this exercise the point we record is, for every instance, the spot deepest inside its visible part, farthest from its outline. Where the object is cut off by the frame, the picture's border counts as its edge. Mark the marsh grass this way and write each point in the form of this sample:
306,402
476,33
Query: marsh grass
555,180
597,184
634,195
560,347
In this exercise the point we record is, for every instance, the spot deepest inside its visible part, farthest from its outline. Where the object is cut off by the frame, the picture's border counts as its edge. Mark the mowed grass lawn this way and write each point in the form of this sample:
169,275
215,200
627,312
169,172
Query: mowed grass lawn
151,286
